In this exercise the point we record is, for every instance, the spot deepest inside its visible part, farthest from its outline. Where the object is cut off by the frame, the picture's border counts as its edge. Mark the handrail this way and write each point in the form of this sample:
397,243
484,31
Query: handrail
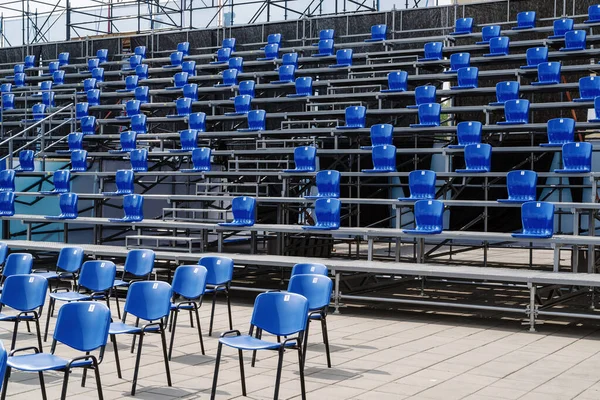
34,125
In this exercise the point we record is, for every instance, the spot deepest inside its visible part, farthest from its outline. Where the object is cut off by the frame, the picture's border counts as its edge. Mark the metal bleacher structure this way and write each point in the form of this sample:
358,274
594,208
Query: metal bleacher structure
183,209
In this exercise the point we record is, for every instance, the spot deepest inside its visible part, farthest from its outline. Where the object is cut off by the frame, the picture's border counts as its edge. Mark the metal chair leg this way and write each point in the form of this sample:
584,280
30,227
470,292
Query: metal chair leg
42,385
164,346
212,313
326,339
278,378
173,327
65,384
213,391
14,335
241,356
301,371
5,383
50,310
113,339
137,365
98,382
39,333
199,330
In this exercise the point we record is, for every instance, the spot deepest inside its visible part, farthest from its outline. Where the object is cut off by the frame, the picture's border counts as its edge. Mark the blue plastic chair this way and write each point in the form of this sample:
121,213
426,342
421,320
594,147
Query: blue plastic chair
27,295
242,105
140,264
132,107
140,51
378,33
29,61
75,142
102,55
467,132
19,80
535,56
397,82
184,47
218,278
142,93
515,112
93,63
138,124
548,74
189,67
243,209
8,101
68,207
561,26
537,219
189,284
98,74
498,46
328,185
6,88
303,87
148,301
433,51
325,48
521,186
7,204
229,78
176,60
316,288
44,86
247,87
26,161
463,26
384,159
88,84
133,208
93,97
305,158
576,158
343,58
62,183
424,95
128,142
7,180
188,139
274,38
200,160
236,63
131,83
478,158
575,41
180,79
53,66
589,88
256,121
132,62
381,134
229,43
286,74
467,78
421,185
223,56
271,52
78,161
281,314
309,268
458,61
20,68
506,91
290,59
197,121
88,125
82,110
560,131
139,160
325,34
525,20
123,183
429,115
67,266
81,326
183,105
58,77
17,264
593,14
356,117
142,71
429,218
3,254
63,59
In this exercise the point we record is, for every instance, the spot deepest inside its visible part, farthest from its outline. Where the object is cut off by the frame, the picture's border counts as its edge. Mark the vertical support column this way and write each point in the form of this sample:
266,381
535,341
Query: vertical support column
532,308
68,17
336,292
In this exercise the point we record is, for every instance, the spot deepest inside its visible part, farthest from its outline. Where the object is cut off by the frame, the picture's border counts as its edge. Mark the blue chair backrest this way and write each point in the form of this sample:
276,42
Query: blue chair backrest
58,77
356,116
132,107
397,81
304,86
63,59
189,67
463,25
61,180
384,157
29,61
315,287
189,281
381,134
93,63
188,139
75,141
325,34
594,13
549,72
575,40
139,160
328,183
5,88
290,59
131,82
83,325
327,213
17,263
82,110
229,43
243,209
230,77
45,86
183,106
133,206
247,87
344,57
537,218
286,73
140,51
3,362
20,79
589,87
507,91
3,252
433,50
7,180
142,93
562,26
468,132
489,32
88,125
7,203
425,94
38,110
142,71
97,275
176,58
138,123
242,103
184,47
429,114
68,205
274,38
499,45
201,158
478,157
236,63
180,79
561,130
79,160
98,74
128,140
421,184
124,181
26,160
429,215
521,185
134,61
197,121
468,77
305,158
526,19
459,60
140,262
378,32
102,55
52,67
8,101
282,314
326,47
70,259
219,269
24,292
257,120
93,97
516,110
223,54
310,268
577,156
89,84
19,68
272,50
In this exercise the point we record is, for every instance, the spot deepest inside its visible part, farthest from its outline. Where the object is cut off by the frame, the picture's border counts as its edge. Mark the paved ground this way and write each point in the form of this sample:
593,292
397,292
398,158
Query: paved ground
376,355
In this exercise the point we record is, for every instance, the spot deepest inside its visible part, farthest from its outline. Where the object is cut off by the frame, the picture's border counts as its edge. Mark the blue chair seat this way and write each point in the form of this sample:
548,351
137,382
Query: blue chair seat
219,62
120,282
217,289
182,307
59,217
421,231
571,171
42,362
512,201
248,130
528,67
187,170
473,170
70,296
117,151
297,95
234,113
528,235
223,85
54,275
124,90
7,317
234,224
246,342
321,228
347,127
121,117
118,328
551,144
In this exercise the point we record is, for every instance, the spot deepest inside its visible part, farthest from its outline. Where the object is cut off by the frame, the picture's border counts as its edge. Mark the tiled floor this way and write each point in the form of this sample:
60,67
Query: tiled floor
376,355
